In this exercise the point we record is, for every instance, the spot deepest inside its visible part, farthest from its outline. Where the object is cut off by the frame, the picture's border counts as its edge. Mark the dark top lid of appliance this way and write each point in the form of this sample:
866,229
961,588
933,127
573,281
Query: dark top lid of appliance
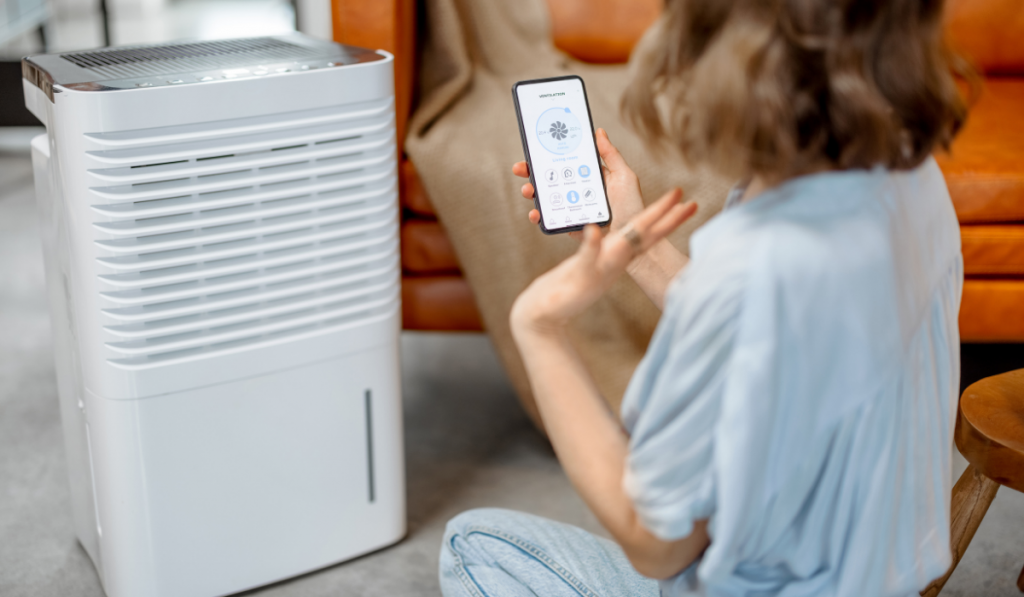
175,63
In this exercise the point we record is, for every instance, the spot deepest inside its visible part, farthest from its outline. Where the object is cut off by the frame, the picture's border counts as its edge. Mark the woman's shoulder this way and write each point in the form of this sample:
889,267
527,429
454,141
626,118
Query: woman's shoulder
847,224
873,245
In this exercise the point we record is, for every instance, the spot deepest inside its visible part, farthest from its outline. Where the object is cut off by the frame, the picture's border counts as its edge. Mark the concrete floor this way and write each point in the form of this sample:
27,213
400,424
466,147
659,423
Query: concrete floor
467,445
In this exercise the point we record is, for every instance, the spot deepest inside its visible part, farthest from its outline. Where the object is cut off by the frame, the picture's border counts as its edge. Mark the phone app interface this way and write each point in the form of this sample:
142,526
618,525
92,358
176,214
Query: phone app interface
562,153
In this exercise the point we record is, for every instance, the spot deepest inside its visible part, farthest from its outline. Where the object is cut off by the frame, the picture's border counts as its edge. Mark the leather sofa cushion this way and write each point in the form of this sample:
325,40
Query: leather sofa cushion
989,33
994,250
439,303
985,167
600,31
414,196
990,311
426,248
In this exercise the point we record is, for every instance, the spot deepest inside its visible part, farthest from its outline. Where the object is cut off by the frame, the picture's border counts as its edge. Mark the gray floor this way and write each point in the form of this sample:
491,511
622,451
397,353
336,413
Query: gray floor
467,445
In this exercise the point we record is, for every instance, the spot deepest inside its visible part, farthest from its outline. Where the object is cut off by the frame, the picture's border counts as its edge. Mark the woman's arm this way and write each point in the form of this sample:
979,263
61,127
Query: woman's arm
592,448
653,270
588,439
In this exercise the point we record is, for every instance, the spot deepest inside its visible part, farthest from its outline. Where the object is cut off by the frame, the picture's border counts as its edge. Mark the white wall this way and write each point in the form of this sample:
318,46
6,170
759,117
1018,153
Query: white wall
315,18
79,7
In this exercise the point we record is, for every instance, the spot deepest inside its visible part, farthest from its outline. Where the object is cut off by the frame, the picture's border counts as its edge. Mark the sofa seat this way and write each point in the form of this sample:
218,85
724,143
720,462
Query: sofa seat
993,250
990,310
435,296
439,303
985,167
426,249
985,174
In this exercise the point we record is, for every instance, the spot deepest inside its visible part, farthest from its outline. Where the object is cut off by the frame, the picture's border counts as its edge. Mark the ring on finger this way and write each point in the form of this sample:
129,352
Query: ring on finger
632,236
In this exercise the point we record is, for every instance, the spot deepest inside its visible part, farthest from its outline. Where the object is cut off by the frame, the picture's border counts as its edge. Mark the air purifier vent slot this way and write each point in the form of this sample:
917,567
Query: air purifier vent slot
165,59
220,238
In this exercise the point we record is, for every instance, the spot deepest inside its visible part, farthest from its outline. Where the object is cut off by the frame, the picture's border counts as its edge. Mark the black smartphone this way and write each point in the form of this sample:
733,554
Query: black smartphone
558,140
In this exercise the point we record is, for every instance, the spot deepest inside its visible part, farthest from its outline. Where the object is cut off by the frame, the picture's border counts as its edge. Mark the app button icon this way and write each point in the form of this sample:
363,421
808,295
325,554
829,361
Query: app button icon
568,174
556,199
584,170
589,195
551,176
572,197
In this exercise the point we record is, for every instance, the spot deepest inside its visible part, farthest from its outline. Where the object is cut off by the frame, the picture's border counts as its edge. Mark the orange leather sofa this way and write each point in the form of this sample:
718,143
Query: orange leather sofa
985,170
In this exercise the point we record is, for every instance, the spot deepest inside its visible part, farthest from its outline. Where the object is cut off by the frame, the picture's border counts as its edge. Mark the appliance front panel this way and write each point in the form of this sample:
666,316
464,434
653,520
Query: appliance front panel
220,489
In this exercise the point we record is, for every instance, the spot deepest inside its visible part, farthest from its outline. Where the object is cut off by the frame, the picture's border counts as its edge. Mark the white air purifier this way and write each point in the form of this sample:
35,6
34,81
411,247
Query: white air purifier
220,234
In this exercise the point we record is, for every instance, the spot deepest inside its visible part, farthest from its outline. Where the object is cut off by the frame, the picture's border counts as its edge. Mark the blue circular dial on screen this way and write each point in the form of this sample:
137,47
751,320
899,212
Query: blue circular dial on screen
559,131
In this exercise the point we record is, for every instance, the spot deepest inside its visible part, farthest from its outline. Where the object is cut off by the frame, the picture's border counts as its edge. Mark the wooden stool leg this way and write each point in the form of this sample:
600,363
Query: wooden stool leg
972,495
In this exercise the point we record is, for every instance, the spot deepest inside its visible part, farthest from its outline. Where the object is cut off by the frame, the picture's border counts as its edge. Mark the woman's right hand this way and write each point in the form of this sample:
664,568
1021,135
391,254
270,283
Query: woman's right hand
620,181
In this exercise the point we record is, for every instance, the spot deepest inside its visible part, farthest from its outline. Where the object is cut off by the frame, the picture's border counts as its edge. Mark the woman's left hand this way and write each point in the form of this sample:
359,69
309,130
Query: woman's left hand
562,293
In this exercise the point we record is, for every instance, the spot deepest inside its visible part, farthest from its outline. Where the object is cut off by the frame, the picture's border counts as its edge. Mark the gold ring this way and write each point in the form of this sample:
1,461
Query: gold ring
633,238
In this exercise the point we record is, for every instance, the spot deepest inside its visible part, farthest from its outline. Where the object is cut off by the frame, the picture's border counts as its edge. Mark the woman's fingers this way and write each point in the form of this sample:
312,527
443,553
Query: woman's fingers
534,216
643,220
521,170
591,244
611,156
647,228
672,219
661,218
527,191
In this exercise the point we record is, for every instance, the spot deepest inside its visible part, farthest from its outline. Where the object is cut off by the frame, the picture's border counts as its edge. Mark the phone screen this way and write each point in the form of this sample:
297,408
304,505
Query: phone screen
554,119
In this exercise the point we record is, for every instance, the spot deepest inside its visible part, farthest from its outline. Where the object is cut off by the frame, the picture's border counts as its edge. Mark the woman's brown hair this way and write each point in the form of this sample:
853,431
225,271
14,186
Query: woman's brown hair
779,88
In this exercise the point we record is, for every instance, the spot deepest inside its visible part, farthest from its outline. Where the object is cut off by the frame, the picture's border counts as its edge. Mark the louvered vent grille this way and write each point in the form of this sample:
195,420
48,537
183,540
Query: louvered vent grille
221,237
163,59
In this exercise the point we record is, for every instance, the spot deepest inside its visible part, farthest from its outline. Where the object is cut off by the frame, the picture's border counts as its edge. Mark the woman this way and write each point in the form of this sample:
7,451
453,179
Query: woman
789,429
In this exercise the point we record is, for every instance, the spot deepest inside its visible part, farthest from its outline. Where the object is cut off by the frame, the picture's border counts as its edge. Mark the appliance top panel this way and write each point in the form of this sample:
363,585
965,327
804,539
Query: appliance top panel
178,63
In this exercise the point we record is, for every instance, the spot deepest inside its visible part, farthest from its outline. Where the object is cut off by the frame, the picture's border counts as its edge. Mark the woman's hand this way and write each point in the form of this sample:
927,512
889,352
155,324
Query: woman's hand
620,181
576,283
663,261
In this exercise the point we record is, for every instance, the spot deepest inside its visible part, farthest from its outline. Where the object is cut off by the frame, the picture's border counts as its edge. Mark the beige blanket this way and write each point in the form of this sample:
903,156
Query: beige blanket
463,140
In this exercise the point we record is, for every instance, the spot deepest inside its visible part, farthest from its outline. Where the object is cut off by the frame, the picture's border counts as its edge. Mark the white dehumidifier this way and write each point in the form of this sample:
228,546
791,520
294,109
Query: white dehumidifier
220,231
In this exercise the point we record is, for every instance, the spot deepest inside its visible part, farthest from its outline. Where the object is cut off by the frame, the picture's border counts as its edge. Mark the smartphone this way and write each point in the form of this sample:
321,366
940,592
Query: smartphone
558,140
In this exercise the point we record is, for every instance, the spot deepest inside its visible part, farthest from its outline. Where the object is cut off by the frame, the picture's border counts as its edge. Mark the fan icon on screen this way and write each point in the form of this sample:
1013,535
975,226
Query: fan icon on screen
558,130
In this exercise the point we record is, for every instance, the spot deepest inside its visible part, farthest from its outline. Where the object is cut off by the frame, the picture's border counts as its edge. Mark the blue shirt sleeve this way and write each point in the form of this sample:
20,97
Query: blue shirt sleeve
672,405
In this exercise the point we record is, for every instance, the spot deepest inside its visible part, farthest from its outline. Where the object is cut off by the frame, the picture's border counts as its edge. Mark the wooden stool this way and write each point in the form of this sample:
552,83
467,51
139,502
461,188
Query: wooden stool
990,434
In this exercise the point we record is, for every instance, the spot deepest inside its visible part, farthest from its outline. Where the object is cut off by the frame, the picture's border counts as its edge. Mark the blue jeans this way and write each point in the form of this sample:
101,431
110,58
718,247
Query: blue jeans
497,553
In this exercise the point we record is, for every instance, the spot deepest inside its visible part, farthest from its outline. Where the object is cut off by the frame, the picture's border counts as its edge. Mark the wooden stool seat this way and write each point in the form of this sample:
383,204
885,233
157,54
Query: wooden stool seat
990,428
990,435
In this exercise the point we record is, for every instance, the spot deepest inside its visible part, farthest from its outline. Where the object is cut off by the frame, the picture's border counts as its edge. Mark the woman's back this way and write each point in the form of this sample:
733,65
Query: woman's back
801,387
789,428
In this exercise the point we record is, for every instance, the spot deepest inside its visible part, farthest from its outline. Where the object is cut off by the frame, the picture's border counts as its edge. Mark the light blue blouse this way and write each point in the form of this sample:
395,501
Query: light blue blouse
801,388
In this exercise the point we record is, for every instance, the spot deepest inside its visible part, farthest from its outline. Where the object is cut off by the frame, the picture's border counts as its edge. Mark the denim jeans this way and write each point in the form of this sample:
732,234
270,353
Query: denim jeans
492,552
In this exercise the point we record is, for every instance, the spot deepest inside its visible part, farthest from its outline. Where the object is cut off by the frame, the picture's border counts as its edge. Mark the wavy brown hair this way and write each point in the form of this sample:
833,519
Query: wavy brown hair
779,88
